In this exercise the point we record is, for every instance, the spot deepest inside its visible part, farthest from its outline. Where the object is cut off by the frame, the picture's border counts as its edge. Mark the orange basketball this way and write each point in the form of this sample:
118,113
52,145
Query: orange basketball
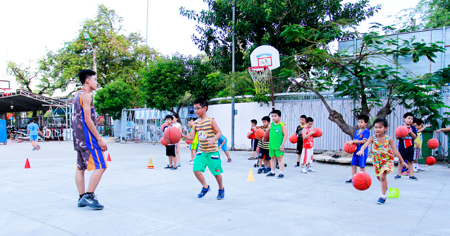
249,135
266,135
163,125
350,148
293,138
259,133
189,142
401,132
430,161
172,135
318,132
433,143
163,142
361,181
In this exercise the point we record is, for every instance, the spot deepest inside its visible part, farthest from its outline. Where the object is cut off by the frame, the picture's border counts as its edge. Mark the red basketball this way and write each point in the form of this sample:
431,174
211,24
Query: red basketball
259,133
189,142
361,181
433,143
293,138
249,135
318,133
350,148
401,131
266,135
430,161
163,125
163,142
172,135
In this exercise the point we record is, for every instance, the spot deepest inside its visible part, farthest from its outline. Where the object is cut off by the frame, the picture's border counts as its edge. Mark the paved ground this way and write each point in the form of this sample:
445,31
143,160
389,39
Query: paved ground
140,201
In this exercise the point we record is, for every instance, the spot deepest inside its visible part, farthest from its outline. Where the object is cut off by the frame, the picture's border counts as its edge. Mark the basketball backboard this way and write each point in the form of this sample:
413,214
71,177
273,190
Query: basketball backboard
5,84
265,55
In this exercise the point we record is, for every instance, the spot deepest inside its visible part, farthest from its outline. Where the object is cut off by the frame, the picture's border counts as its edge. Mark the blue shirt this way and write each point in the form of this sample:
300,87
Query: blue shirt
408,141
361,135
221,140
33,128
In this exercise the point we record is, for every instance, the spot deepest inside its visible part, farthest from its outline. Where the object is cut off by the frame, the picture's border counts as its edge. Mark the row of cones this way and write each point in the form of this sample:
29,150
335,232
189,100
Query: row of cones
27,162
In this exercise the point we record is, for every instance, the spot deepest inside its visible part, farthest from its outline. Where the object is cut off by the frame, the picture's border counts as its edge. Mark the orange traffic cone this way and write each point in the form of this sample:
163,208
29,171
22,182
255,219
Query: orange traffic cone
150,164
27,164
109,158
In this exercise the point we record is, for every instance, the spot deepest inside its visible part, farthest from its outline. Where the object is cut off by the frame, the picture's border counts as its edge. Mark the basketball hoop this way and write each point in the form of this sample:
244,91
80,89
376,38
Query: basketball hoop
261,78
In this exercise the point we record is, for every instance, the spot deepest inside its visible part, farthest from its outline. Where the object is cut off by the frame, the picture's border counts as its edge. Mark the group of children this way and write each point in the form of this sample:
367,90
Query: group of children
383,149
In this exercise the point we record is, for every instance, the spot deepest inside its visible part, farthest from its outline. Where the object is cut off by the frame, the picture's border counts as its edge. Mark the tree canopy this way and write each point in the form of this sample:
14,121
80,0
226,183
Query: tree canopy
113,98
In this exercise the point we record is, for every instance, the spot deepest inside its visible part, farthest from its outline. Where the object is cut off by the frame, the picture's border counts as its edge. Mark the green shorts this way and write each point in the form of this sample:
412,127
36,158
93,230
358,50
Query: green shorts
210,159
275,153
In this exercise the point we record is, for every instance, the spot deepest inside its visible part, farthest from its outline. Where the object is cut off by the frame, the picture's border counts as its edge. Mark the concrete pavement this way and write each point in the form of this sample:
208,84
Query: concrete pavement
140,201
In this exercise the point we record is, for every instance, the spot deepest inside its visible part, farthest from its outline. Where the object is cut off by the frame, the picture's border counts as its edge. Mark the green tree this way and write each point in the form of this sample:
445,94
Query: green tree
426,14
371,85
261,22
170,83
113,98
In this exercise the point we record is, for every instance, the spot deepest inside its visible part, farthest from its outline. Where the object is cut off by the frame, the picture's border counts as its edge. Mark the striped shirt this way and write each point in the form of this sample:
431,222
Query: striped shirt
205,131
264,145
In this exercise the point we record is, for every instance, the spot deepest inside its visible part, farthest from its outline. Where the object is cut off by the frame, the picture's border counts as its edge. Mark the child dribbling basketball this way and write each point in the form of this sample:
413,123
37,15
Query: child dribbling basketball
383,150
278,136
360,137
208,156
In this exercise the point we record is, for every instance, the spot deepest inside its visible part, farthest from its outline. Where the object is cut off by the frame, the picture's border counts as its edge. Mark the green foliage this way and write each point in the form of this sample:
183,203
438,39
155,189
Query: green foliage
172,82
261,22
113,98
427,14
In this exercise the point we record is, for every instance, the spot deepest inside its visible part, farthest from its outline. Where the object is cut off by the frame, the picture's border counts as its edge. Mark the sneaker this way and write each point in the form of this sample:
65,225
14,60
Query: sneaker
34,149
270,174
280,176
203,192
89,199
303,170
349,181
266,170
405,173
38,147
174,168
81,204
310,169
416,170
168,167
260,170
297,165
221,194
420,169
229,160
178,164
191,162
381,201
413,178
397,177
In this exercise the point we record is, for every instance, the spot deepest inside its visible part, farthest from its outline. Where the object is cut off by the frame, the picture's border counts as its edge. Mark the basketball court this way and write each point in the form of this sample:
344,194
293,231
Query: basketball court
42,200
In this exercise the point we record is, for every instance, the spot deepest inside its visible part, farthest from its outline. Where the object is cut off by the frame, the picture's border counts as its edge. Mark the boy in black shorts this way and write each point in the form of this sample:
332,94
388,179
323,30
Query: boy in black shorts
264,149
170,148
300,138
406,146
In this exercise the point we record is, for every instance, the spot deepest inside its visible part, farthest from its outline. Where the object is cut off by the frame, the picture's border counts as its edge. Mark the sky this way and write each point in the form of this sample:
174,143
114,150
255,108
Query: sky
29,28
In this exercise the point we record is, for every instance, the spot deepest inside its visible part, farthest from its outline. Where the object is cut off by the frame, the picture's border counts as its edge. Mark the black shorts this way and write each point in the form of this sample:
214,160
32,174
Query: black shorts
407,153
254,144
299,146
170,150
264,154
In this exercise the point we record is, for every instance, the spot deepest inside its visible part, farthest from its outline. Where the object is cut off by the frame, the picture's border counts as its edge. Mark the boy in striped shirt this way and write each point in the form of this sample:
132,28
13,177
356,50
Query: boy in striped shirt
208,155
264,149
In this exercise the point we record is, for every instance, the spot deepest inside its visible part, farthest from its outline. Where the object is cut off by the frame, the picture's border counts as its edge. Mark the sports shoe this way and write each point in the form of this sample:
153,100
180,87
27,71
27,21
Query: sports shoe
303,170
349,181
397,177
309,169
270,174
229,160
178,164
381,201
34,149
174,168
280,176
168,167
89,199
260,170
221,194
413,178
405,173
191,162
420,169
266,170
416,170
297,165
203,192
80,204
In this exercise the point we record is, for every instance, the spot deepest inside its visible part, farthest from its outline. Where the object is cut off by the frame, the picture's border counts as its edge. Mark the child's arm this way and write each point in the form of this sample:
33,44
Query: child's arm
87,100
357,141
306,136
217,129
413,135
394,149
285,134
191,135
423,128
443,129
268,130
361,151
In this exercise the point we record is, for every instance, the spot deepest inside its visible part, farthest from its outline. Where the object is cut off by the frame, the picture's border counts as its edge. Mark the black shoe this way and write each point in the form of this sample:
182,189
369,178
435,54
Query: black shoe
89,199
260,170
270,174
168,167
349,181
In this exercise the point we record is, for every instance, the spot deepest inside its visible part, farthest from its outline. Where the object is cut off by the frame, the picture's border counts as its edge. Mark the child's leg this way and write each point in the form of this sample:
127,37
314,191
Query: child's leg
411,168
298,157
353,170
219,181
178,154
362,169
384,182
95,179
267,163
201,178
273,164
79,180
281,163
193,152
259,162
228,155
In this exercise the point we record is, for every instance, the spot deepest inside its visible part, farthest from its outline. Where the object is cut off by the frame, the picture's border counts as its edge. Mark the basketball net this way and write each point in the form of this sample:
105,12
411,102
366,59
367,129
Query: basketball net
261,78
